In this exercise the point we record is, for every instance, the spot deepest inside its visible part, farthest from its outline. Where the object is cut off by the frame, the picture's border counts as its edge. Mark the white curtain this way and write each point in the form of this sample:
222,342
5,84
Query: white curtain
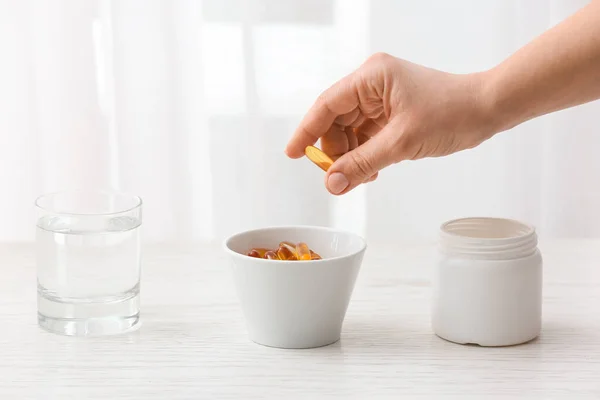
189,104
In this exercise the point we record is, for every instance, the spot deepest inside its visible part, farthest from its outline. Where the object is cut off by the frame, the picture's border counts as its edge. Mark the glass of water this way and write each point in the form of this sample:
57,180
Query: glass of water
88,262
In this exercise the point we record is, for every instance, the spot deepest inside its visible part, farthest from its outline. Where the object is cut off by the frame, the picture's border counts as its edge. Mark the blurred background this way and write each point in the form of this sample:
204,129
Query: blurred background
190,103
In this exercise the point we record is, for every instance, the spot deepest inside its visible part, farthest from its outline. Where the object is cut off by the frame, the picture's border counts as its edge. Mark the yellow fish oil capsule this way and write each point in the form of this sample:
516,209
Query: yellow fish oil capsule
271,255
302,251
317,156
257,252
253,253
291,246
315,256
284,253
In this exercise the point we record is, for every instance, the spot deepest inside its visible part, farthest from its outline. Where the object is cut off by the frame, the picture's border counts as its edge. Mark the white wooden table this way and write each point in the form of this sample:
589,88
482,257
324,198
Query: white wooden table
193,345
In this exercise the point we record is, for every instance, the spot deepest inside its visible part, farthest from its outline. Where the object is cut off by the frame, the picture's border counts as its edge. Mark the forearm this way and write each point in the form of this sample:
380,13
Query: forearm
557,70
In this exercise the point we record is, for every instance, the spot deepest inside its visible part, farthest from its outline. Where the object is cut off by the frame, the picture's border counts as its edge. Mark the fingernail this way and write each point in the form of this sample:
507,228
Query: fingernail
337,182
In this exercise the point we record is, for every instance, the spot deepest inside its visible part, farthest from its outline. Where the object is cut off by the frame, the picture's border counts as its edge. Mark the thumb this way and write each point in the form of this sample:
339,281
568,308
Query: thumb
360,164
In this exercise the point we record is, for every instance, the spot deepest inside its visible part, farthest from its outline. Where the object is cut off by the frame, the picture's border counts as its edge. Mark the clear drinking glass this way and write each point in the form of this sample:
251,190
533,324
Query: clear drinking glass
88,262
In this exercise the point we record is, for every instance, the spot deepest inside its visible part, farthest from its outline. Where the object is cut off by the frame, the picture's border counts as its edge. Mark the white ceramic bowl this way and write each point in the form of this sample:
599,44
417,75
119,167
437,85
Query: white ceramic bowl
296,304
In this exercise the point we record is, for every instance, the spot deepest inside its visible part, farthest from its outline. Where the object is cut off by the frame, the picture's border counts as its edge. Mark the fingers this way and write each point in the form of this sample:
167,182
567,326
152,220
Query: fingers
362,139
340,99
369,128
372,178
354,118
335,142
338,141
352,138
363,163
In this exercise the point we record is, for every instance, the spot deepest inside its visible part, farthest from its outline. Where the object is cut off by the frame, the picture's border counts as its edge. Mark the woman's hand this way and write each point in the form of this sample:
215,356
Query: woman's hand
387,111
391,110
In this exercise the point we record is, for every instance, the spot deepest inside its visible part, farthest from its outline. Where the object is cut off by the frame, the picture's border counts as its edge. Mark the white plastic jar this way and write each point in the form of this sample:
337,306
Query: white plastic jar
487,283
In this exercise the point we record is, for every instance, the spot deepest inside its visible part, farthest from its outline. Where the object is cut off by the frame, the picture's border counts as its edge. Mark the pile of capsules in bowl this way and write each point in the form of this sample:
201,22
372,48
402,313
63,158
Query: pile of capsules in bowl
286,251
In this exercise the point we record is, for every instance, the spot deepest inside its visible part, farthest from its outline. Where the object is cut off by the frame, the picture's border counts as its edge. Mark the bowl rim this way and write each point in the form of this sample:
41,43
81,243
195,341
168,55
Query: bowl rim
363,243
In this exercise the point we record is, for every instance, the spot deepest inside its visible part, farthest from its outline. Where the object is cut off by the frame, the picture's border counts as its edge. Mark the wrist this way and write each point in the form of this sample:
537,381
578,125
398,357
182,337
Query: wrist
499,107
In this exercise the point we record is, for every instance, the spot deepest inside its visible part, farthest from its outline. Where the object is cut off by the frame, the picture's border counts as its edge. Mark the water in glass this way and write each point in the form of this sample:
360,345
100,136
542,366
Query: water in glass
88,273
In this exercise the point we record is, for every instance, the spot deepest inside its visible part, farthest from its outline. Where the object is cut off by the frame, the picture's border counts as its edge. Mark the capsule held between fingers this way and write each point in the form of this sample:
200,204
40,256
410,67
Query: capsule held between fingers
318,157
